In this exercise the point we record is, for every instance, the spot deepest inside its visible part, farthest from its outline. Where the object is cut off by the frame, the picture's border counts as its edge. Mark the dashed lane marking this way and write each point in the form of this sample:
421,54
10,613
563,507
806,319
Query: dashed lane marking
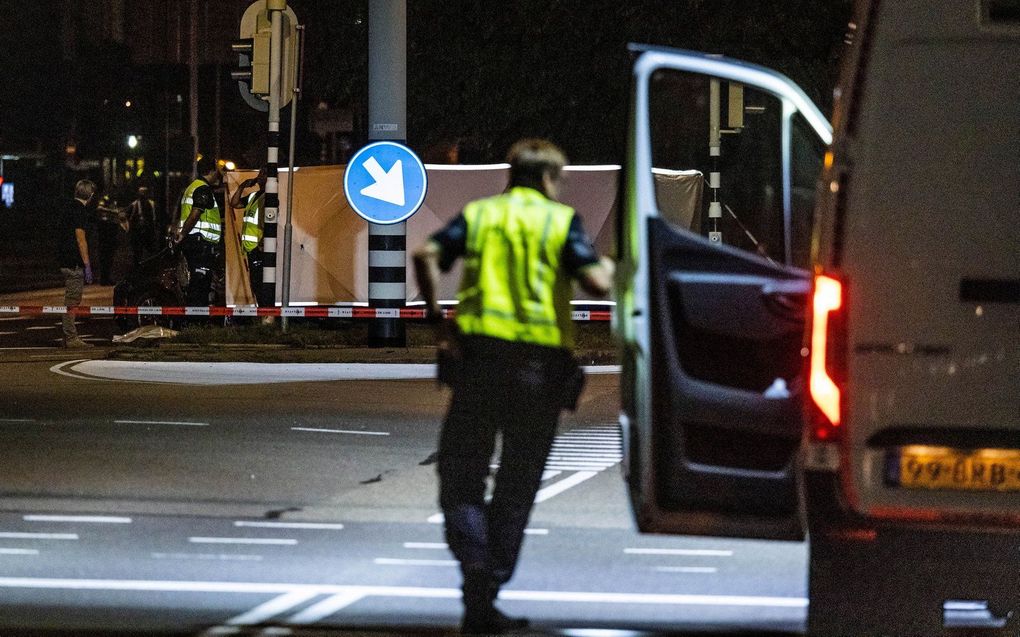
289,525
243,540
4,551
425,545
342,431
685,552
707,570
161,422
390,561
18,535
206,557
94,519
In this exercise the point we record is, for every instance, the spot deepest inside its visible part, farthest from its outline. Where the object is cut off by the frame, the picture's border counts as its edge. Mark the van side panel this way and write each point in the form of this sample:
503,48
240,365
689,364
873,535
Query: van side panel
932,205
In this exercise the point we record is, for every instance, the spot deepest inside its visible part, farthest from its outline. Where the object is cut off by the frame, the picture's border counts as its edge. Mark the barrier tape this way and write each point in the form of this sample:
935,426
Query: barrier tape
290,312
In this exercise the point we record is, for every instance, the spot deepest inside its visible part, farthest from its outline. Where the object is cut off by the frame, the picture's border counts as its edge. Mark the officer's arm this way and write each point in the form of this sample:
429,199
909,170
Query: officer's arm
426,271
190,222
235,197
597,278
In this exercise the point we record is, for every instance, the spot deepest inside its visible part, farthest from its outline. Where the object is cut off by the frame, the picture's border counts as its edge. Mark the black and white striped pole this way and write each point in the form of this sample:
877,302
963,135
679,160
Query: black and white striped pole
387,120
272,200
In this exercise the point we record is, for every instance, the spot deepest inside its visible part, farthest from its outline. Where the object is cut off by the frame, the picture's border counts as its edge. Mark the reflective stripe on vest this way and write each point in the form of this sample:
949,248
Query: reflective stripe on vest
513,287
210,222
251,232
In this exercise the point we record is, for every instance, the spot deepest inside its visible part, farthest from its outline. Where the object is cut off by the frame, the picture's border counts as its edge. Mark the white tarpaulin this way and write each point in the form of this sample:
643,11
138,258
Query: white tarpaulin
330,241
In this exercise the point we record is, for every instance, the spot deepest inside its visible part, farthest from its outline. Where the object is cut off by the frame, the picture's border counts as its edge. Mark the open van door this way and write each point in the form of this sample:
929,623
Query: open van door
712,282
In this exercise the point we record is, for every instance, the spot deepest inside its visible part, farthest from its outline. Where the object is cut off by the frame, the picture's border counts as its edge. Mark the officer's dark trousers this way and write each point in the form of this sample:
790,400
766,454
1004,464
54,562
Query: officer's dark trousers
206,264
507,388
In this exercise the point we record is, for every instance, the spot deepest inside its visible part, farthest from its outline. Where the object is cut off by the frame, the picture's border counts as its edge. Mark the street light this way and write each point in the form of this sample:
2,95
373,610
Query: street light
132,141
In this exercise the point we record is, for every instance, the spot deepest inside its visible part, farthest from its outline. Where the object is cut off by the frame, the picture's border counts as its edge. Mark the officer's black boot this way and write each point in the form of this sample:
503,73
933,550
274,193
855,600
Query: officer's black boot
481,617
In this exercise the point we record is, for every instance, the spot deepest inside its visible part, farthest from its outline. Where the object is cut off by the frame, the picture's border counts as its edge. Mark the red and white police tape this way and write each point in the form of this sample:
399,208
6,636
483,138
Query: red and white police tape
291,312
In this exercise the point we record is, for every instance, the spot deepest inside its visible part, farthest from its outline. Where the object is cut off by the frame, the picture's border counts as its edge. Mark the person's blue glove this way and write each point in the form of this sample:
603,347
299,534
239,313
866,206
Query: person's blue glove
88,274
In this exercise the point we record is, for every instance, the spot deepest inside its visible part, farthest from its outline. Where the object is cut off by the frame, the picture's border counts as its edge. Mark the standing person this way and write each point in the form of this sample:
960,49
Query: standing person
199,230
143,228
521,250
107,228
251,228
73,256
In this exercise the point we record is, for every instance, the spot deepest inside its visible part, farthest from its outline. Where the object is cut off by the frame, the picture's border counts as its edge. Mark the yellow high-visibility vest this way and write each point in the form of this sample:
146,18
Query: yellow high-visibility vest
210,223
513,287
251,231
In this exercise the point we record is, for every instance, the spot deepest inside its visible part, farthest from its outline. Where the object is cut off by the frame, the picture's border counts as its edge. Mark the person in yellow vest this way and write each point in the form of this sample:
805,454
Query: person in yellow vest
199,231
251,227
522,250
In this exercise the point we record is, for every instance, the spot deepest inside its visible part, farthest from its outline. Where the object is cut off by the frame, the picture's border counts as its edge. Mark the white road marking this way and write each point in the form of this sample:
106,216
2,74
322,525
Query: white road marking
325,608
17,535
17,420
161,422
40,327
96,519
436,518
687,552
60,369
686,569
387,561
536,531
19,551
559,487
310,590
274,607
288,525
342,431
426,545
222,557
7,333
243,540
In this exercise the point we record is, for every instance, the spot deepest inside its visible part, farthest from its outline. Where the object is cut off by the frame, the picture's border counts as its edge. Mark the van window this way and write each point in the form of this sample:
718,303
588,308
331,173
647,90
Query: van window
807,152
717,160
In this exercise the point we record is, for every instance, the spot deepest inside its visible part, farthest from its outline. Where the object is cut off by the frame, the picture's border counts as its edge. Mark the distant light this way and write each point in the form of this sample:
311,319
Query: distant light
229,165
127,104
132,141
7,194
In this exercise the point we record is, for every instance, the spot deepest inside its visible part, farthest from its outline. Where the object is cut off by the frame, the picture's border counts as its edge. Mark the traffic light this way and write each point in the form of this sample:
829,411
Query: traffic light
253,62
253,49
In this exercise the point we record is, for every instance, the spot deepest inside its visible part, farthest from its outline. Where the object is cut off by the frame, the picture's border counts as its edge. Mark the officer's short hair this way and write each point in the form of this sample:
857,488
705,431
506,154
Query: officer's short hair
531,159
205,165
84,189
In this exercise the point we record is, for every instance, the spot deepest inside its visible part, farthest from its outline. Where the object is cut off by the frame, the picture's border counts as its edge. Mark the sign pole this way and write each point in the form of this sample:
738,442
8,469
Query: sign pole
387,120
288,229
272,204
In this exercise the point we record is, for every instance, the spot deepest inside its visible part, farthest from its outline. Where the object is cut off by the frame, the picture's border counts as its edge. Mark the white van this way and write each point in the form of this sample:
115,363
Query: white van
830,348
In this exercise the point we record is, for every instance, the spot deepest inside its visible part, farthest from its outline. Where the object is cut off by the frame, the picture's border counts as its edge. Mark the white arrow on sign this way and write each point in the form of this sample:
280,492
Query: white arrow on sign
389,185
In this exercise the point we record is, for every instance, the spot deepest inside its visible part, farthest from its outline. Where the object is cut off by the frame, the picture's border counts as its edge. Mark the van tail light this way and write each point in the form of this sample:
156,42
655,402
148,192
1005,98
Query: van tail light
827,371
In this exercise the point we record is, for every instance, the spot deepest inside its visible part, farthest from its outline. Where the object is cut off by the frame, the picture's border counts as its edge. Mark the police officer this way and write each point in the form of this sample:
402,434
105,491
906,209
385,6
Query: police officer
199,230
521,250
251,228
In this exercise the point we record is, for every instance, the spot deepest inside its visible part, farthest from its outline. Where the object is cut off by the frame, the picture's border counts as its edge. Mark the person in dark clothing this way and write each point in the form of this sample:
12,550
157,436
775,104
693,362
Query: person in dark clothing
107,229
143,227
199,230
521,251
73,256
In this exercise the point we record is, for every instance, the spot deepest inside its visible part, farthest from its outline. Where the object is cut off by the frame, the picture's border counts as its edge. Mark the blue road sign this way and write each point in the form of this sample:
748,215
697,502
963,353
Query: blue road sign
385,182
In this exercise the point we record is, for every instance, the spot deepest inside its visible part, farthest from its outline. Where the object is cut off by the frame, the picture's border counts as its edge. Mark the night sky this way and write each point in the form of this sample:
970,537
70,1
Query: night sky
481,73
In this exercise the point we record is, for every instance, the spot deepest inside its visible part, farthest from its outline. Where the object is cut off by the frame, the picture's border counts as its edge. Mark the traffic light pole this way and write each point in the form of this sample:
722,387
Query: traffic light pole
272,202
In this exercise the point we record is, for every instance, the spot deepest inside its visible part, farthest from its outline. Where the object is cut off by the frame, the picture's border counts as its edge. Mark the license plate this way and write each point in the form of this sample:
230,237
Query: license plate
944,468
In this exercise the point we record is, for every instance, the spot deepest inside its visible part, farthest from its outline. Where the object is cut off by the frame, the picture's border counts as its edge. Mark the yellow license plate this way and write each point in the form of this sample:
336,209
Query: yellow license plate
925,467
